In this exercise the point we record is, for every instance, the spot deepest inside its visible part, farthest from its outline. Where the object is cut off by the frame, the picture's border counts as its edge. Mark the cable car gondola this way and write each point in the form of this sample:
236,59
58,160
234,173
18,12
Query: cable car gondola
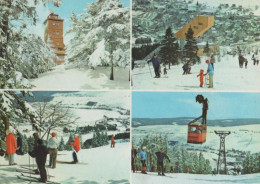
197,133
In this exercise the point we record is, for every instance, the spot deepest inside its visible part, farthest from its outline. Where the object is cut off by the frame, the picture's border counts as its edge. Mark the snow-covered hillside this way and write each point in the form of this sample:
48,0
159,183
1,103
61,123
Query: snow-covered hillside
97,165
227,76
61,78
184,178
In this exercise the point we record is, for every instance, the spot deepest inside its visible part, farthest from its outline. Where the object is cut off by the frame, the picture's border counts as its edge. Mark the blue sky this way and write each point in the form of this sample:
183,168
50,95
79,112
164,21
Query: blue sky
183,104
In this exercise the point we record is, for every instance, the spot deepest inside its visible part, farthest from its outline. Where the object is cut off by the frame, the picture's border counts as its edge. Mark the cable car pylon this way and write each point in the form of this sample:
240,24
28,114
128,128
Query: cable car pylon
222,151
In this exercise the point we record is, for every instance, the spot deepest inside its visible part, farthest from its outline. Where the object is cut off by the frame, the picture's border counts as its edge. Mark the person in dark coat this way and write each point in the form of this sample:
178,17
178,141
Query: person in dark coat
241,60
187,68
205,107
41,155
160,156
156,65
134,152
19,141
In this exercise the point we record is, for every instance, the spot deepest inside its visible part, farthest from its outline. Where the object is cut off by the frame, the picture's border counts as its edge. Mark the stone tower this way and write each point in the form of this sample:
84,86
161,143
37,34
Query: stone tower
53,34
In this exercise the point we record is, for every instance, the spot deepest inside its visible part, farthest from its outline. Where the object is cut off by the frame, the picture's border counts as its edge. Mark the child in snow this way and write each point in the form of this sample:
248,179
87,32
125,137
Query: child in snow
112,141
201,75
40,153
165,71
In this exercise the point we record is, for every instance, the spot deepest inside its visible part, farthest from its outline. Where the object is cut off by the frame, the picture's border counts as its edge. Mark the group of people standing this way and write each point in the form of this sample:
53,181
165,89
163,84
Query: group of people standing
142,155
39,152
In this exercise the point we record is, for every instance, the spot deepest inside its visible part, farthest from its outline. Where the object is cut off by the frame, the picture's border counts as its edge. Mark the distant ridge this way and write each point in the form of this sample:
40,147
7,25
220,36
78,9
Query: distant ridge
136,122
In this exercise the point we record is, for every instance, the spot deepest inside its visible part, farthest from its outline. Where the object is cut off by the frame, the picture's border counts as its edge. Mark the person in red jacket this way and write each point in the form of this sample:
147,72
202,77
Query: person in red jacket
76,147
11,146
112,141
201,75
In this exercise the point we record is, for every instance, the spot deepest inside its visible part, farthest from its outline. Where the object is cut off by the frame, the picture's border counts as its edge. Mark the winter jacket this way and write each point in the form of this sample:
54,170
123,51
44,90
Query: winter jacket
11,144
76,144
142,155
161,156
210,69
40,154
112,139
156,62
53,143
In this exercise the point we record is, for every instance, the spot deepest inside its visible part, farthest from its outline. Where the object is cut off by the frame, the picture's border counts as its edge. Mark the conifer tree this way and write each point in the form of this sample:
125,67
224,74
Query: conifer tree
61,146
206,49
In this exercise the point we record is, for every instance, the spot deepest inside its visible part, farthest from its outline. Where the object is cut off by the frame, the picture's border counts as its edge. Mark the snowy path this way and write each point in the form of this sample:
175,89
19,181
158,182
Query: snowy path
104,165
75,79
152,178
228,76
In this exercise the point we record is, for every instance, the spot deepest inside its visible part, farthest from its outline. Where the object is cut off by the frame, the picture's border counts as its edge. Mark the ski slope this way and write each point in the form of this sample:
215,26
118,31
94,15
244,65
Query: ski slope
227,76
184,178
61,78
97,165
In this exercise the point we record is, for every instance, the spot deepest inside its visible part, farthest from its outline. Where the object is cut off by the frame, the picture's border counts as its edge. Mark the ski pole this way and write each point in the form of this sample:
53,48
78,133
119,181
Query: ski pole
150,70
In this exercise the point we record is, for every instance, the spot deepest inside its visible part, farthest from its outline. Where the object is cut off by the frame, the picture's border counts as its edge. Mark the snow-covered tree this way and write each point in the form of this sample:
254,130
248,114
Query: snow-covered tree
170,48
191,48
14,18
61,146
101,36
206,49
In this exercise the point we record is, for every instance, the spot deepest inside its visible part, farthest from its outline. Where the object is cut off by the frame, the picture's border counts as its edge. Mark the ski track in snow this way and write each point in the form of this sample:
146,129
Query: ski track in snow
104,165
61,78
227,76
184,178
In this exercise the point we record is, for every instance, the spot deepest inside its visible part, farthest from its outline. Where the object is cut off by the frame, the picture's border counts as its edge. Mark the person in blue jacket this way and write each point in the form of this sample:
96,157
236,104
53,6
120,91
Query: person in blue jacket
142,157
156,65
210,72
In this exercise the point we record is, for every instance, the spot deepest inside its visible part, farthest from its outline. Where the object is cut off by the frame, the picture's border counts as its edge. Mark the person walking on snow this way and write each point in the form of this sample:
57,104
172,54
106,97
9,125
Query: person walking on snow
41,155
113,141
11,146
160,156
156,65
142,156
53,149
19,150
210,71
187,68
201,75
76,147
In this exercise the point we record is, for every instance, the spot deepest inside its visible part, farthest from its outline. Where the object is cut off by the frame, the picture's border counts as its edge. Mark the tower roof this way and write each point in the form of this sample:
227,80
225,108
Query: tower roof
53,16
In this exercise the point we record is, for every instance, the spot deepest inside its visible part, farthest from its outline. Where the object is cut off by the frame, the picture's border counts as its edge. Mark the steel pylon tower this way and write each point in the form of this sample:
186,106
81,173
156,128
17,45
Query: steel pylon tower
222,151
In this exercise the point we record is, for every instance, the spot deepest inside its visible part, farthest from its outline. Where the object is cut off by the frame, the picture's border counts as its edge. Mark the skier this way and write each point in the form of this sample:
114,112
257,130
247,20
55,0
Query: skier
134,152
41,155
210,71
112,141
200,99
156,65
35,147
246,62
142,156
165,71
254,59
52,146
11,146
76,147
19,150
241,60
160,156
238,170
201,75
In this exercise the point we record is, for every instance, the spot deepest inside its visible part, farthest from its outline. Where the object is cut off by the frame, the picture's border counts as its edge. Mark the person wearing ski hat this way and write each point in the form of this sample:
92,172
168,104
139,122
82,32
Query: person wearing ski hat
142,156
11,146
156,65
53,149
76,147
40,153
160,156
210,71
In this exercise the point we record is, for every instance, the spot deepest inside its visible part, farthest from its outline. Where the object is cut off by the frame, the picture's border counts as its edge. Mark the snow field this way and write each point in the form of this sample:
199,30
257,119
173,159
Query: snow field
103,165
76,79
227,76
152,178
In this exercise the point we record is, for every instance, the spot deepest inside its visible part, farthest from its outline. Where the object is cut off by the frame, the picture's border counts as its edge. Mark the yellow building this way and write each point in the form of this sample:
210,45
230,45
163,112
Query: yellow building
53,34
199,25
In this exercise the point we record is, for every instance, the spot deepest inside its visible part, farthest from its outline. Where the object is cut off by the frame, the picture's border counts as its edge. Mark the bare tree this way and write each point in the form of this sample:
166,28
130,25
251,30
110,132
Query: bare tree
51,116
